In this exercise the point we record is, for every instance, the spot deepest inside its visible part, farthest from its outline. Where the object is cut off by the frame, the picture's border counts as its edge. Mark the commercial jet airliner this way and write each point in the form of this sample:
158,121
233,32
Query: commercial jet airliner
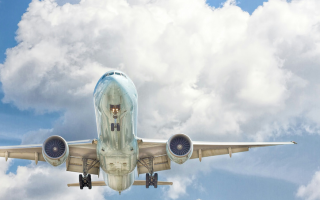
118,152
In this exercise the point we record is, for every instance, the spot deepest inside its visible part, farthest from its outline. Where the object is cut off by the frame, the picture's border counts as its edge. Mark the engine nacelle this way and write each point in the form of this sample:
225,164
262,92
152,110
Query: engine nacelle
179,148
55,150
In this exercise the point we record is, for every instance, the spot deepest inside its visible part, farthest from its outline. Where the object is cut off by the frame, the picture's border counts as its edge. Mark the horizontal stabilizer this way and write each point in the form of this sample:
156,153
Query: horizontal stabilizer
102,183
141,182
94,183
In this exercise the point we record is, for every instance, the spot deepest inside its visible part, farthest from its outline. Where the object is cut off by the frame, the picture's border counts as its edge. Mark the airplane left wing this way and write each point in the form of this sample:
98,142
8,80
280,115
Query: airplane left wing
77,151
156,149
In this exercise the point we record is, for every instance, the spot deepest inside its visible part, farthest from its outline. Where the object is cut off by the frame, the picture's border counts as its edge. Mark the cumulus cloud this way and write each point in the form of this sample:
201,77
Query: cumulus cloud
218,74
179,187
310,191
44,182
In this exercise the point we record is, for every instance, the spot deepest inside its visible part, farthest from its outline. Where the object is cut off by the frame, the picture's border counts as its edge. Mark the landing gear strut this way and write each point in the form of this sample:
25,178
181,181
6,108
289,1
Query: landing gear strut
85,179
151,178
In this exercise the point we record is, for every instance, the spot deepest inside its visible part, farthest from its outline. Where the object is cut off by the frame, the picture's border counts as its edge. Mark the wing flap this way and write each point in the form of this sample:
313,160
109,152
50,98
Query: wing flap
83,150
159,163
225,145
216,152
26,156
28,152
75,164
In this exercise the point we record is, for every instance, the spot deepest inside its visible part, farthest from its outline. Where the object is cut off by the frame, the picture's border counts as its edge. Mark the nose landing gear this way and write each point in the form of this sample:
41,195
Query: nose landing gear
113,126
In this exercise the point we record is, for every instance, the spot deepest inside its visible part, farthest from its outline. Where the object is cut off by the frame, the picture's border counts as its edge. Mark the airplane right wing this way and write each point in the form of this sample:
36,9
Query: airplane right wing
152,151
206,149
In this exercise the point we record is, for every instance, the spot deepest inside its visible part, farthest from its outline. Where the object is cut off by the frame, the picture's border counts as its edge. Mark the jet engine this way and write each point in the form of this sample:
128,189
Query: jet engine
179,148
55,150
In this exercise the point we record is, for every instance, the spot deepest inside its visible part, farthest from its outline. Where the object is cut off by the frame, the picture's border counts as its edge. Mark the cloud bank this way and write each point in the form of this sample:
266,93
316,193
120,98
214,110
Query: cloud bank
218,74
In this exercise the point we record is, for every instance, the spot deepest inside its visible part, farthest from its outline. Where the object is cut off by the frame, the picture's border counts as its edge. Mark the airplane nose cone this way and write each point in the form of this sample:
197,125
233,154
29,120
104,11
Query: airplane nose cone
115,87
111,91
114,91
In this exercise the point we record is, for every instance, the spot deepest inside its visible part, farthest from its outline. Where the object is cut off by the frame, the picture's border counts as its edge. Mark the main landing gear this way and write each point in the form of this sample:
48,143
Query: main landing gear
85,179
151,178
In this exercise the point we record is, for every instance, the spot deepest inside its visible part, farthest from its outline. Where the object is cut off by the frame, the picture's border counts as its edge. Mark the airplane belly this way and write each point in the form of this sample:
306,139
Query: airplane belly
116,111
119,182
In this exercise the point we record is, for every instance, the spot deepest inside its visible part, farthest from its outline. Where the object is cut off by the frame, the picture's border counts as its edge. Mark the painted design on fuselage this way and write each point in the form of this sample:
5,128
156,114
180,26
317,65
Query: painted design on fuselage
115,101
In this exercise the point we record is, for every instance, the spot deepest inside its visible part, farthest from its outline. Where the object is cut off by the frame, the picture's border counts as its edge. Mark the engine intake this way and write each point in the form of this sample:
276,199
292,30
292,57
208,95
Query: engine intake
55,150
179,148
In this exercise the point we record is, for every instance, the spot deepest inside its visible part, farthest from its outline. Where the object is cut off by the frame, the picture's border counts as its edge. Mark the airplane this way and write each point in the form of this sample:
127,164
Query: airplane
118,152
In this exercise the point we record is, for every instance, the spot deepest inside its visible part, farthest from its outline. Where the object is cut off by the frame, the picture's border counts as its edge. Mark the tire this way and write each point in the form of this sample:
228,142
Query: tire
112,126
80,181
155,179
89,181
118,127
147,180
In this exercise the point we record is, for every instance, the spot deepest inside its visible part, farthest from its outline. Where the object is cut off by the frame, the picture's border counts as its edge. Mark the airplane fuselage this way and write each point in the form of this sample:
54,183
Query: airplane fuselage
115,101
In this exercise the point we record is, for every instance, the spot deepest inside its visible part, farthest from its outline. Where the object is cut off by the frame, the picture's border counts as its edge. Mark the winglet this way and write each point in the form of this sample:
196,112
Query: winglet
294,142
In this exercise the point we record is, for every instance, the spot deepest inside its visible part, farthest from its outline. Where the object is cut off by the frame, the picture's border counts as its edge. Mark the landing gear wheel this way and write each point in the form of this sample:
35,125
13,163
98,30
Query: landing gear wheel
147,180
81,181
155,180
118,127
89,183
112,126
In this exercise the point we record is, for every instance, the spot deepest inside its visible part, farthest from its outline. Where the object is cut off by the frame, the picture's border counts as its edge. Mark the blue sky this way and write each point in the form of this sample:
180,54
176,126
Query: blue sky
266,173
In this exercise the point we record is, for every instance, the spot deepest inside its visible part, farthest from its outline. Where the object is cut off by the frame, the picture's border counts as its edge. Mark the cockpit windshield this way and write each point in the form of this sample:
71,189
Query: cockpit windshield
115,73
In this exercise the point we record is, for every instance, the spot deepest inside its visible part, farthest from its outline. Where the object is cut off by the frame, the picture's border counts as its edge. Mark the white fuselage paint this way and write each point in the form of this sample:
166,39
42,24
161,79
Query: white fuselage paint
117,150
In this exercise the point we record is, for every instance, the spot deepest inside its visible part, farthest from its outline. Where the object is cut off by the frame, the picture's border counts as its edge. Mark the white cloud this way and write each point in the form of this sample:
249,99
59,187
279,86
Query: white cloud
218,74
310,191
44,182
179,187
227,73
